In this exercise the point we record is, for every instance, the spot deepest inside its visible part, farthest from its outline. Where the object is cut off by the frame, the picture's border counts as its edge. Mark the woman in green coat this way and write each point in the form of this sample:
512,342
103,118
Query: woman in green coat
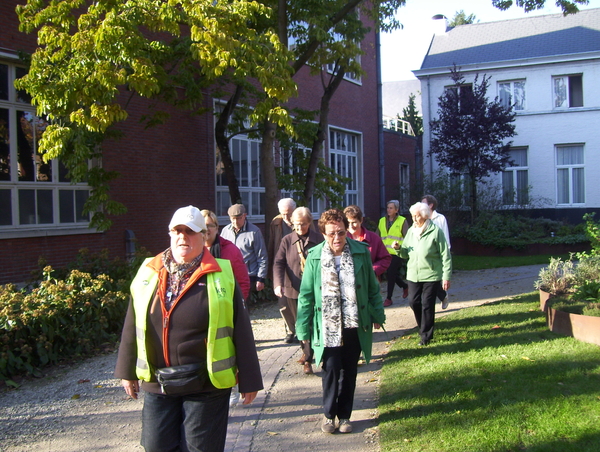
338,306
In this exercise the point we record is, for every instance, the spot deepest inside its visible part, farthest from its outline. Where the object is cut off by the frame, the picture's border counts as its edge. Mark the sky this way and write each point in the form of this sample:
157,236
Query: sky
403,50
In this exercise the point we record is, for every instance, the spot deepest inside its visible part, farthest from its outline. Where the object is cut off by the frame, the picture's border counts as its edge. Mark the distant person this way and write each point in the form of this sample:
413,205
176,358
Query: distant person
288,269
338,306
440,221
280,227
380,257
187,337
392,228
248,238
429,267
223,248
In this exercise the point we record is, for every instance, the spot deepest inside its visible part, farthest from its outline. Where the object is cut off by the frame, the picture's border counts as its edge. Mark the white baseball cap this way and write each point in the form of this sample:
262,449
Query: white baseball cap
189,216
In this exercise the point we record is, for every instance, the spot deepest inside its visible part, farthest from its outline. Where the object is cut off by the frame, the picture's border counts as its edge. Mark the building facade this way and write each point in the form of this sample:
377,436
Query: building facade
161,168
547,67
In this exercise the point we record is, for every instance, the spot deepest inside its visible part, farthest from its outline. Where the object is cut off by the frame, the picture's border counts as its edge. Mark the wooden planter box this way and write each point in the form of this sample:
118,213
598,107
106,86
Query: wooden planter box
584,328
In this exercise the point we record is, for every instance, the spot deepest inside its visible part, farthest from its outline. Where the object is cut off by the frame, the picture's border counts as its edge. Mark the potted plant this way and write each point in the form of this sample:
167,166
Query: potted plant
555,279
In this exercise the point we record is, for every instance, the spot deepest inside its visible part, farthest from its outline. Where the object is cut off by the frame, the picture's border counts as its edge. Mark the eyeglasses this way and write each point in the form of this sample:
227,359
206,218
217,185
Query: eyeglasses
211,226
299,224
338,234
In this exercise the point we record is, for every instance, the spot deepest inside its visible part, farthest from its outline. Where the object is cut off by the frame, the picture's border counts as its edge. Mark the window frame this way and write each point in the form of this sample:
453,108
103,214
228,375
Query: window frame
511,96
570,167
517,192
570,98
46,215
340,158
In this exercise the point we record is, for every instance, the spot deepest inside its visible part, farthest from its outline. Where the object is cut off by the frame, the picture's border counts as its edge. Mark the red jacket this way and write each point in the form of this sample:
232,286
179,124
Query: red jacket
380,257
233,254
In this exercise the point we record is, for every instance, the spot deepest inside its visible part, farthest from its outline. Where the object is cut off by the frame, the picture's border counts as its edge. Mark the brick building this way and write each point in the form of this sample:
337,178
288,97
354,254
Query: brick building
165,167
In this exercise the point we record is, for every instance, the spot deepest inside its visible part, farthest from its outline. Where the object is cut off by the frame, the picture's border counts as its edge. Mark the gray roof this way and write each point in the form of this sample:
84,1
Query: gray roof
516,39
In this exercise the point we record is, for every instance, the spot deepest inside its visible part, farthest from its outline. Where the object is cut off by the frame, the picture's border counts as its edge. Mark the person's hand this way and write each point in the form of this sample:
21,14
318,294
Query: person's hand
446,285
260,286
396,245
376,326
132,387
278,291
248,397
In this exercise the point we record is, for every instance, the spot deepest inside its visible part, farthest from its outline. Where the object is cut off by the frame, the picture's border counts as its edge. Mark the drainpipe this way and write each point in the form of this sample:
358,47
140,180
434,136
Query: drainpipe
428,126
380,126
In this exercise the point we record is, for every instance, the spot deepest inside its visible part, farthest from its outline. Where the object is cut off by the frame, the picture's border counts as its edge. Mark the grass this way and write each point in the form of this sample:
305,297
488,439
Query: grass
493,380
482,262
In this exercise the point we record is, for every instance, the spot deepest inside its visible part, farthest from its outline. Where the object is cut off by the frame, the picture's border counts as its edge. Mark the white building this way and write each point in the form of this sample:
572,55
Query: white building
549,67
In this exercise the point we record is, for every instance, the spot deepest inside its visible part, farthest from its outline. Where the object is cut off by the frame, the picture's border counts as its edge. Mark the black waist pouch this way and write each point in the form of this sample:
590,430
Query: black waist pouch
181,380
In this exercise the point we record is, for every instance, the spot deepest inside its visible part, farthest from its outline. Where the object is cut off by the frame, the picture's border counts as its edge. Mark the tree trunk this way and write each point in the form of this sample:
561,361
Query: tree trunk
474,210
267,169
223,145
317,147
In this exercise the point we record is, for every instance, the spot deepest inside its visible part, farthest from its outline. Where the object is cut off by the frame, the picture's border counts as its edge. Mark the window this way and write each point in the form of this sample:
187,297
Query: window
515,179
290,165
568,91
512,93
463,96
244,153
344,152
570,176
34,194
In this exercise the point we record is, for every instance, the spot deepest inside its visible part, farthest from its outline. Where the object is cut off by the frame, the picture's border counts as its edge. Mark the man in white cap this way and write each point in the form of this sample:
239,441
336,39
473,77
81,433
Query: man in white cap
176,326
248,238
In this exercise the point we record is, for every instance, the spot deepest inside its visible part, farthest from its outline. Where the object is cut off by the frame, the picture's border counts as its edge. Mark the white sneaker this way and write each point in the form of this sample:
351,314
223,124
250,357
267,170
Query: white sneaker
345,426
445,302
234,398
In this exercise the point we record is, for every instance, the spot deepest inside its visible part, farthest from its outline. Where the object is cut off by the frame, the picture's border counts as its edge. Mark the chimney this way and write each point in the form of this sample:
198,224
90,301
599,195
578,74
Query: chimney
440,24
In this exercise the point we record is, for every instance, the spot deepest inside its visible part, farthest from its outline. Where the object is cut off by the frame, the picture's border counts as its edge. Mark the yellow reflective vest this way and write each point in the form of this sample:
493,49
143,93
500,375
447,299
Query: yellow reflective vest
220,349
393,234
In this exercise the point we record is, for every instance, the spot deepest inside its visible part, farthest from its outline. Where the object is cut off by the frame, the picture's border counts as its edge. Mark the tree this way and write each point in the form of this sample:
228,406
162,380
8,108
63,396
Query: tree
461,18
411,115
470,132
92,55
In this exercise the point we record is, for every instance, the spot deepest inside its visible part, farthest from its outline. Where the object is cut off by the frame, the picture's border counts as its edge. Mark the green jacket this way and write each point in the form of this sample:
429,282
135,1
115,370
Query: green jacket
428,255
368,297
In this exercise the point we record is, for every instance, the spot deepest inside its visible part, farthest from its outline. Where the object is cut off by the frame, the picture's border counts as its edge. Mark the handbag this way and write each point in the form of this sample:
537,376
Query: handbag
184,379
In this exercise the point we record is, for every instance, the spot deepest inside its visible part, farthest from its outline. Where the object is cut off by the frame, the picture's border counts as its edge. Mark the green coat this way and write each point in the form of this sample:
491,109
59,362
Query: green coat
368,297
428,255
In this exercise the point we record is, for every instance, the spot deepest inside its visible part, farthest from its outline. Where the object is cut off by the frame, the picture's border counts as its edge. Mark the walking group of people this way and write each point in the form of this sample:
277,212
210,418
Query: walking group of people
187,335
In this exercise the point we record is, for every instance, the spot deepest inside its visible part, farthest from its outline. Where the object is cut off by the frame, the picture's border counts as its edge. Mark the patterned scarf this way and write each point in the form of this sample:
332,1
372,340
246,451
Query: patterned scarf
340,309
179,275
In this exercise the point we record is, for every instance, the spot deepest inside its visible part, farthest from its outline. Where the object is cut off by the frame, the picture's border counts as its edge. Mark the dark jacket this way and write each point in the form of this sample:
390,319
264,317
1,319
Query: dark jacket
187,331
278,229
286,268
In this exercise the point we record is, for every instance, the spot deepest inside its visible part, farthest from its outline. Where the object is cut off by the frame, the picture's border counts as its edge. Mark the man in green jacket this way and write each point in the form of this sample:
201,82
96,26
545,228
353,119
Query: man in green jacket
338,306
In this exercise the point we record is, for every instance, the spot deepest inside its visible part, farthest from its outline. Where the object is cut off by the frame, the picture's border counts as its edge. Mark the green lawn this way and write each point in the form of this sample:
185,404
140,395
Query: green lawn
481,262
493,379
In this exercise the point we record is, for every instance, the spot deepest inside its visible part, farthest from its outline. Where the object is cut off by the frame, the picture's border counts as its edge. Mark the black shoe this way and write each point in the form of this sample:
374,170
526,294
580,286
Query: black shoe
290,338
423,343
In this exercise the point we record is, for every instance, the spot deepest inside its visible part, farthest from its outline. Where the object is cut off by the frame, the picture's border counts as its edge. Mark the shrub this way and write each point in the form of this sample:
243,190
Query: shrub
557,278
59,319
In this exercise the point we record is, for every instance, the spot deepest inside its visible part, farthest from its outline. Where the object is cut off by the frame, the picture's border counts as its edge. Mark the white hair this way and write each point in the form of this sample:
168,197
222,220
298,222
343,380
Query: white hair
302,213
421,208
286,202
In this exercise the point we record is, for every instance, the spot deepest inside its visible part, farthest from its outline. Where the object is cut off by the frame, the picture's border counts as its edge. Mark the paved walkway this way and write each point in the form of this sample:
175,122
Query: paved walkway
287,414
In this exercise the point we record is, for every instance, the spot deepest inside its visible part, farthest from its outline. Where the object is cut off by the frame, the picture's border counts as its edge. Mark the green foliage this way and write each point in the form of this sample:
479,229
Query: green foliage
504,230
412,116
557,278
61,319
592,230
461,18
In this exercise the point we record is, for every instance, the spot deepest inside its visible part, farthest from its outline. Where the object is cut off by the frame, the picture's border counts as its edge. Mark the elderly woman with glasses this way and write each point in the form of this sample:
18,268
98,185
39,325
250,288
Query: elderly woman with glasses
338,306
288,268
429,267
223,248
187,337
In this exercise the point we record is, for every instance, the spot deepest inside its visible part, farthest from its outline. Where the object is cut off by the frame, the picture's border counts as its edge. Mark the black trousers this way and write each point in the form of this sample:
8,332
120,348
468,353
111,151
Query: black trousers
393,276
422,297
340,367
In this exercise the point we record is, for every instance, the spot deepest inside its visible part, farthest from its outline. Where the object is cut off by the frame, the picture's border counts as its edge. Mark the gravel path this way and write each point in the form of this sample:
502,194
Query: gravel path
83,408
